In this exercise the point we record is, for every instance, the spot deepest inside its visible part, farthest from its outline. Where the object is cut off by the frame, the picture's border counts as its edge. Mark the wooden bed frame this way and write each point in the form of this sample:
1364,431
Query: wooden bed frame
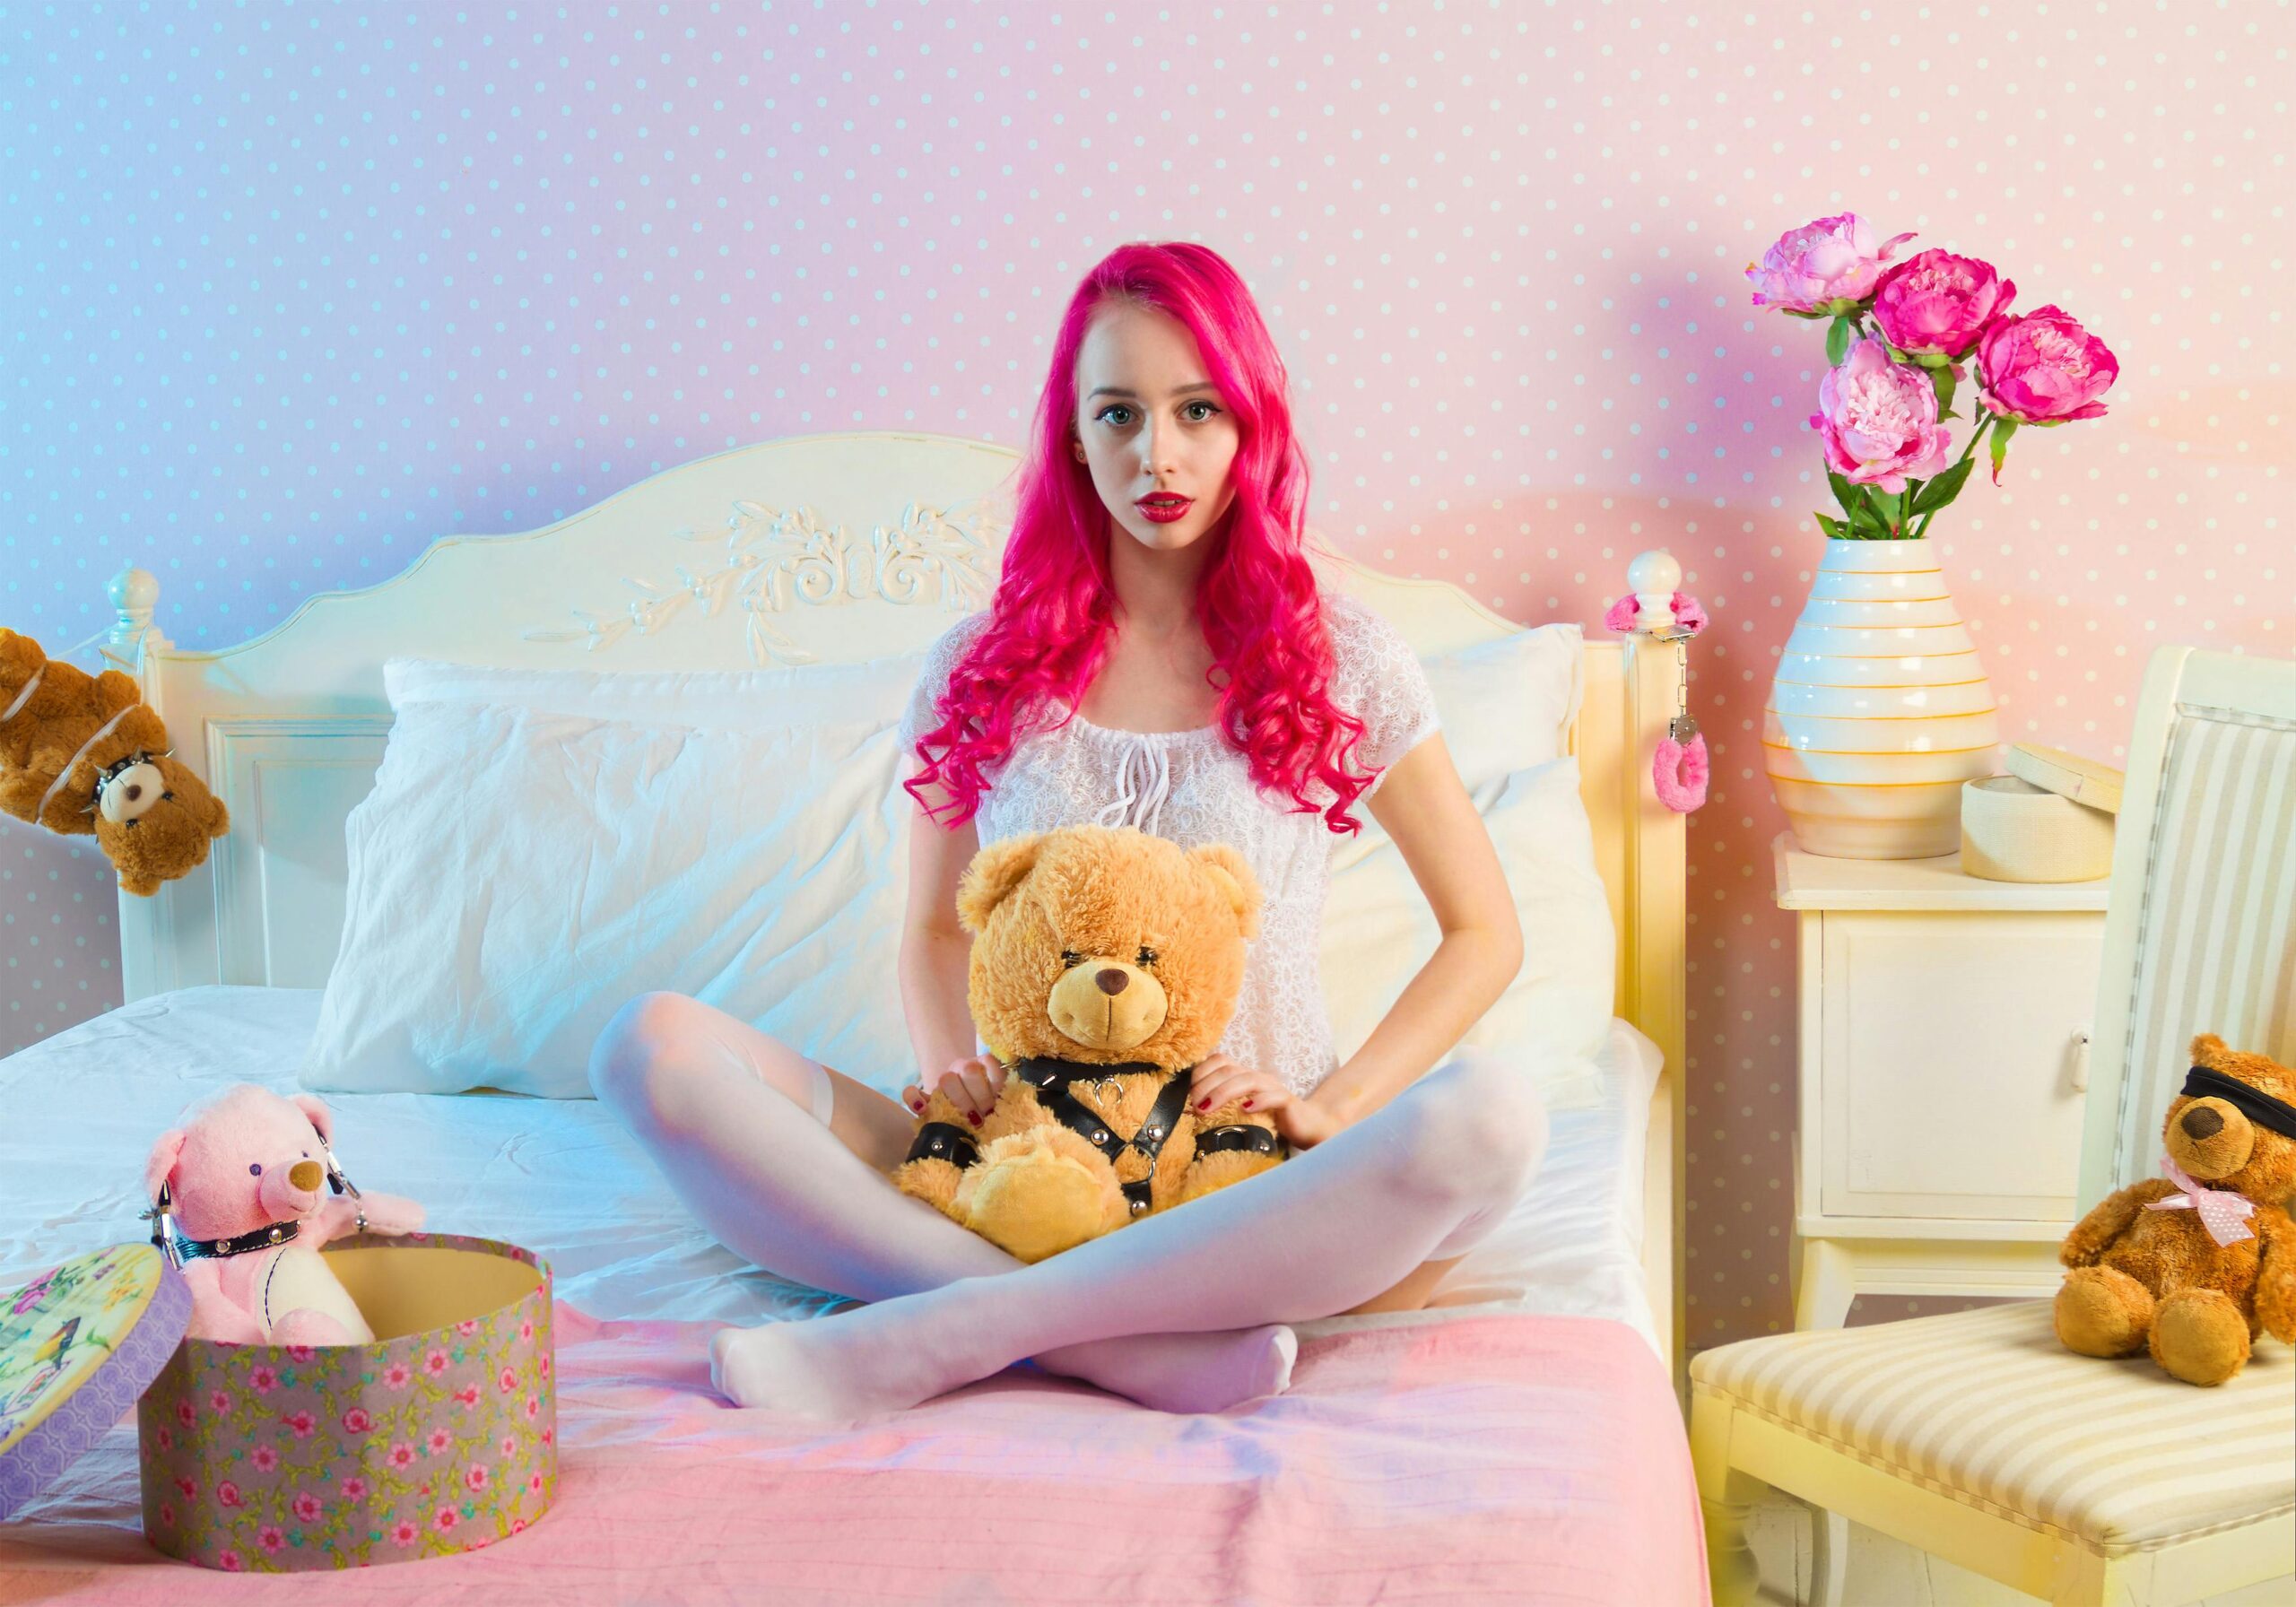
824,548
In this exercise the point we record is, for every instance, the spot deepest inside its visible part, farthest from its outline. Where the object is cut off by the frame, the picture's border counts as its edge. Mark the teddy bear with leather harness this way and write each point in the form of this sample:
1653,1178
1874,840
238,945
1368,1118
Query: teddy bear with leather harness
2193,1265
84,755
1105,962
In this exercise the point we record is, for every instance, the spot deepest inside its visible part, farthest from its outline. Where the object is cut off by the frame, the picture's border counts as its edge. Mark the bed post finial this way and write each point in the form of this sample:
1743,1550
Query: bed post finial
134,594
1654,577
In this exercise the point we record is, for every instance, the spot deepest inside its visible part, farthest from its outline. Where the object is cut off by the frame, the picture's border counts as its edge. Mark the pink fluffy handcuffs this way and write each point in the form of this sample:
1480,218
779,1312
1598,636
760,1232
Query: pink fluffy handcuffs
1660,609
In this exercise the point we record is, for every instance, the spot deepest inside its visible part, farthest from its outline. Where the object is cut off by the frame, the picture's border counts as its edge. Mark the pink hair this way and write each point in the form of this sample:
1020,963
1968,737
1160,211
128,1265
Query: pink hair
1262,612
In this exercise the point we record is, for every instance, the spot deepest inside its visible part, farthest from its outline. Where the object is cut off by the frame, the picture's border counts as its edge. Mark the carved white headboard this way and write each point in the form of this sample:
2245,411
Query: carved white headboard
811,548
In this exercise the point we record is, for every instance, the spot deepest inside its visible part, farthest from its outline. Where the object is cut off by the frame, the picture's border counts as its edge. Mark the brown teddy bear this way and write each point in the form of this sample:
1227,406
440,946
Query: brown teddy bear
82,753
1106,963
2193,1266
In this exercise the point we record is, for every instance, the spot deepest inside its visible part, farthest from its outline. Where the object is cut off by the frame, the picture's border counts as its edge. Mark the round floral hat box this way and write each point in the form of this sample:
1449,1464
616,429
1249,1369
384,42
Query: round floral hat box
440,1437
77,1345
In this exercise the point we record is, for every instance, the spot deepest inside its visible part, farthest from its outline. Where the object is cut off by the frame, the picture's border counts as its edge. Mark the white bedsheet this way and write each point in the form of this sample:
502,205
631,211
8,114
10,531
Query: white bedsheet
79,1111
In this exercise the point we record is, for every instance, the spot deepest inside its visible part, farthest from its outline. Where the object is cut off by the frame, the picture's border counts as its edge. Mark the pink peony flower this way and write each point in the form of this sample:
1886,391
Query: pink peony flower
397,1376
533,1408
299,1354
508,1448
184,1414
306,1507
405,1532
219,1402
231,1562
357,1420
444,1518
271,1537
526,1330
227,1493
265,1458
545,1367
1826,266
402,1456
435,1363
507,1381
264,1379
535,1483
167,1438
477,1477
168,1513
190,1488
301,1423
548,1434
468,1394
1879,420
517,1523
354,1490
440,1441
2043,367
1940,302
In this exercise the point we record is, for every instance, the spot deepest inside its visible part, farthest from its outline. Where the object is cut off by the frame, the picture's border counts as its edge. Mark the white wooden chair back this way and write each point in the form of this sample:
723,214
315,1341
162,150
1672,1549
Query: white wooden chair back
2200,928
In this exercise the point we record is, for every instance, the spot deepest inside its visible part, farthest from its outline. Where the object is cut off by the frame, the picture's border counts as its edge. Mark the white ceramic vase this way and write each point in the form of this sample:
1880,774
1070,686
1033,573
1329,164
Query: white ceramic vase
1880,710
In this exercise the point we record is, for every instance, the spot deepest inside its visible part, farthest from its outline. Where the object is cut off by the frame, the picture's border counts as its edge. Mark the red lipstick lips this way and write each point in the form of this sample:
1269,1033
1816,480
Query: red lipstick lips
1164,506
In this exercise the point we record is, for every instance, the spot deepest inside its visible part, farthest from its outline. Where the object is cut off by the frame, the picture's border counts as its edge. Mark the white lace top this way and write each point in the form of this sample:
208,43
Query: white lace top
1191,788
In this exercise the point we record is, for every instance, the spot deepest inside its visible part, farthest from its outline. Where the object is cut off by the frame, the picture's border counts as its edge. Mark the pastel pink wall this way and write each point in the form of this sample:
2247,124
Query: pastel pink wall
293,290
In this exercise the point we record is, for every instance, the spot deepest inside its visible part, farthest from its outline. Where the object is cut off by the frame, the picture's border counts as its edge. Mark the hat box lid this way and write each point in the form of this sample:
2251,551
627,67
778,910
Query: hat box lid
2067,775
78,1344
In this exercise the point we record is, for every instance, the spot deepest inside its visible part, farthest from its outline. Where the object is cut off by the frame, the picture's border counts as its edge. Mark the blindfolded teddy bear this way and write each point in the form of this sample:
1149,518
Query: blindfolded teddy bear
1106,963
83,754
2193,1266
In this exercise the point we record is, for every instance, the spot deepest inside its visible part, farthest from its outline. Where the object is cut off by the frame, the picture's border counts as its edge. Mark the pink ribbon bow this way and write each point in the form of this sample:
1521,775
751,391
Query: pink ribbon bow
2222,1213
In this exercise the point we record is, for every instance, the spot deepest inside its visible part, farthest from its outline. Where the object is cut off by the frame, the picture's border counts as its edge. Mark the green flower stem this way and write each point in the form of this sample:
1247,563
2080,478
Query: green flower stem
1983,419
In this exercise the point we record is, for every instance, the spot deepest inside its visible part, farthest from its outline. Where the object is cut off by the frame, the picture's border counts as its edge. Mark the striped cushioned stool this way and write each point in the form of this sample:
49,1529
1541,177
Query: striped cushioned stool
1986,1410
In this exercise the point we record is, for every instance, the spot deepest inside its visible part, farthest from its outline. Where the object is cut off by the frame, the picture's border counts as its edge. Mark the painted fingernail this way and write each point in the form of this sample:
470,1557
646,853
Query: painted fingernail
1248,1104
1204,1104
973,1118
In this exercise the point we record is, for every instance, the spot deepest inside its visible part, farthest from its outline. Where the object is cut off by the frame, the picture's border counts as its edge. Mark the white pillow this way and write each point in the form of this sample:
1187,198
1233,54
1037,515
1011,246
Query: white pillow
1510,702
1555,1015
521,871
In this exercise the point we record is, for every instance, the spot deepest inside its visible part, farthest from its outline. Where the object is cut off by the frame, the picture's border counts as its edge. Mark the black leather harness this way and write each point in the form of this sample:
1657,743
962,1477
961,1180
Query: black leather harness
1052,1079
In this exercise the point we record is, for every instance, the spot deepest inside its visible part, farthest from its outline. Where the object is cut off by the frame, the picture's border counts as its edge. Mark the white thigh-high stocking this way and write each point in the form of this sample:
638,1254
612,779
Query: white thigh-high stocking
1427,1176
725,1111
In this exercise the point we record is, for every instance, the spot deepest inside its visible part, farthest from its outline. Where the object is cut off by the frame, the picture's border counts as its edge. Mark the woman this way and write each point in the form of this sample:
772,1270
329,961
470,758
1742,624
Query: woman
1157,653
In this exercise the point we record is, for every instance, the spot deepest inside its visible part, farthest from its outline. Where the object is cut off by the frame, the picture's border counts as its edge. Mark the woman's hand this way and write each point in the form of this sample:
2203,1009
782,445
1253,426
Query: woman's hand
971,1084
1219,1079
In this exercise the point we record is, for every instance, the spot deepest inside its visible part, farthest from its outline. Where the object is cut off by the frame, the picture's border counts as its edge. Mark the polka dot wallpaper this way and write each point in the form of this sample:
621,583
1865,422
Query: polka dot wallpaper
293,289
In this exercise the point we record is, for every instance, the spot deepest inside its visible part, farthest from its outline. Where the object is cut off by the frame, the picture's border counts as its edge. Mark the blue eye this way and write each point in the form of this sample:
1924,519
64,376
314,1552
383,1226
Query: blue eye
255,1170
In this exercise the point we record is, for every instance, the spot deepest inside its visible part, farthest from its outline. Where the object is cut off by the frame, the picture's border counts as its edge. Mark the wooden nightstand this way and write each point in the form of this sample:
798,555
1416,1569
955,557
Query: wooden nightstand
1944,1023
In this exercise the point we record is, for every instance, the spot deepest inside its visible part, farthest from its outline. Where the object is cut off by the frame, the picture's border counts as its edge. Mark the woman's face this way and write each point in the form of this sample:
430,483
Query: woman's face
1149,423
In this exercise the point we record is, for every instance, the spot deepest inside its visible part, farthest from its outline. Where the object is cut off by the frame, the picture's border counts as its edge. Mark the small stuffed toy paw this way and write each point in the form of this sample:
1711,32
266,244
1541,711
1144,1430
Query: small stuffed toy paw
1038,1193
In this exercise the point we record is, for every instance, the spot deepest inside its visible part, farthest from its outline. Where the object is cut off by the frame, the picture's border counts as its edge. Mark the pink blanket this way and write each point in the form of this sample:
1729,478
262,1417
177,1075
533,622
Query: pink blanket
1531,1459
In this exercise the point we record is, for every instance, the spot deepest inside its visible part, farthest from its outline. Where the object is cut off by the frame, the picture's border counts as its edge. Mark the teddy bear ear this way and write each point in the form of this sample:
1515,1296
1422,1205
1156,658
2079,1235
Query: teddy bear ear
2206,1046
993,875
322,1118
1231,872
165,1153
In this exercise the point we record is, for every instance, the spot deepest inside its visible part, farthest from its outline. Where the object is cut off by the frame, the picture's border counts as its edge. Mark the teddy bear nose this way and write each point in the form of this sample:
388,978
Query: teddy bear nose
2202,1123
1113,981
305,1173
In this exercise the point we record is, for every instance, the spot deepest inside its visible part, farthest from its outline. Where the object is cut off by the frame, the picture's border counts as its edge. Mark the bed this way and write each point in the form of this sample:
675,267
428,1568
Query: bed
1521,1438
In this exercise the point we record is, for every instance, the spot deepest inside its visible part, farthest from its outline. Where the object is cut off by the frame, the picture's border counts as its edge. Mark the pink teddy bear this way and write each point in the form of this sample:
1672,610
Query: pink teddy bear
244,1179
